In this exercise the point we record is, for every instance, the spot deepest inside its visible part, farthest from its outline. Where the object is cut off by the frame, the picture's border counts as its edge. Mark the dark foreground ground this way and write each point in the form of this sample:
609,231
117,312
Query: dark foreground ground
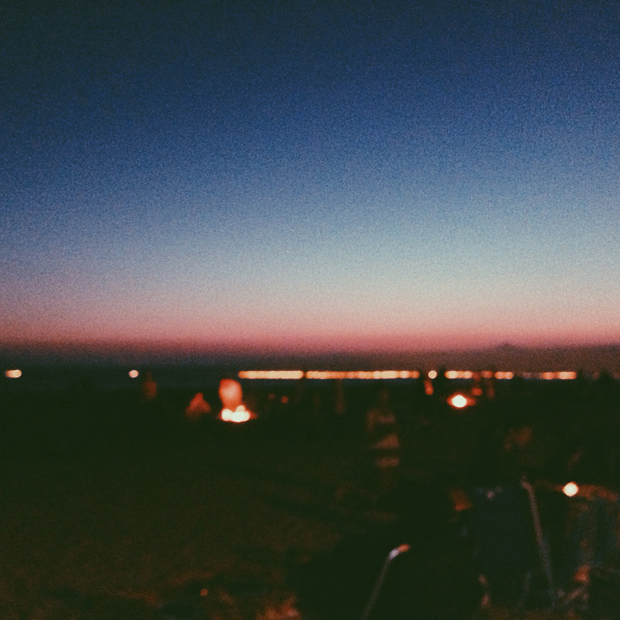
113,510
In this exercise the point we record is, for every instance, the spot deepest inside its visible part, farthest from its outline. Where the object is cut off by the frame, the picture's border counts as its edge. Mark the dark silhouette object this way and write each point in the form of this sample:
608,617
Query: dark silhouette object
504,521
383,443
434,579
440,384
505,451
501,525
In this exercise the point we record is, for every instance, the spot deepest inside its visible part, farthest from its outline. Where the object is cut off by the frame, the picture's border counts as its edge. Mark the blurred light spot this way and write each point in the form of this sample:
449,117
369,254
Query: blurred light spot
197,407
204,592
271,374
570,489
457,374
432,374
230,394
487,374
284,399
238,416
134,374
329,374
504,375
548,376
13,374
458,401
567,375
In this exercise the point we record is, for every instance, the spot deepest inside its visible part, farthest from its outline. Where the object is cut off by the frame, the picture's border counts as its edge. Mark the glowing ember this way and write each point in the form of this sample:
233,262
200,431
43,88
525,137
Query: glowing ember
13,374
570,489
238,416
458,401
134,374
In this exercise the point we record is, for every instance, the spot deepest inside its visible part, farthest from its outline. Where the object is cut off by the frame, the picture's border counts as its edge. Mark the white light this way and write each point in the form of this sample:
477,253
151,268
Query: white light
432,374
238,416
13,374
458,401
570,489
134,374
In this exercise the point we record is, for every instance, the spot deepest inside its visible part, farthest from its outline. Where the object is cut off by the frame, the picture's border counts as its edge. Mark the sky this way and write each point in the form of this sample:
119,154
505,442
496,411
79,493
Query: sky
310,176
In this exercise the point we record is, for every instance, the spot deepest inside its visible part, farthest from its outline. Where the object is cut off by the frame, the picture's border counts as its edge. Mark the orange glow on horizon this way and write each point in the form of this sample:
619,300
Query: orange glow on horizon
329,374
271,374
565,375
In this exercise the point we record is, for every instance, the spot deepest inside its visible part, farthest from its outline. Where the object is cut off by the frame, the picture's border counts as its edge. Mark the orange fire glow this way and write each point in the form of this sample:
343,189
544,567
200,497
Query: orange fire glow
238,416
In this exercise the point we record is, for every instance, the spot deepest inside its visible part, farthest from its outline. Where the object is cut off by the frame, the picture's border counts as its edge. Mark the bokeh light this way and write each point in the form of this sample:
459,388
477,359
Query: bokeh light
570,489
458,401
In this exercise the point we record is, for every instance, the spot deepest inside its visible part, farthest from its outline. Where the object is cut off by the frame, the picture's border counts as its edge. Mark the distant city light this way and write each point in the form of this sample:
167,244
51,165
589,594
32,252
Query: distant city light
570,489
458,374
458,401
395,374
271,374
329,374
567,375
13,374
134,374
564,375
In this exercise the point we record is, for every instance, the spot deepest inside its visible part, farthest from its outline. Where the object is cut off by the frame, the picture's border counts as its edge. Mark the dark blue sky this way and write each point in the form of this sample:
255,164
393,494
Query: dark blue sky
304,175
